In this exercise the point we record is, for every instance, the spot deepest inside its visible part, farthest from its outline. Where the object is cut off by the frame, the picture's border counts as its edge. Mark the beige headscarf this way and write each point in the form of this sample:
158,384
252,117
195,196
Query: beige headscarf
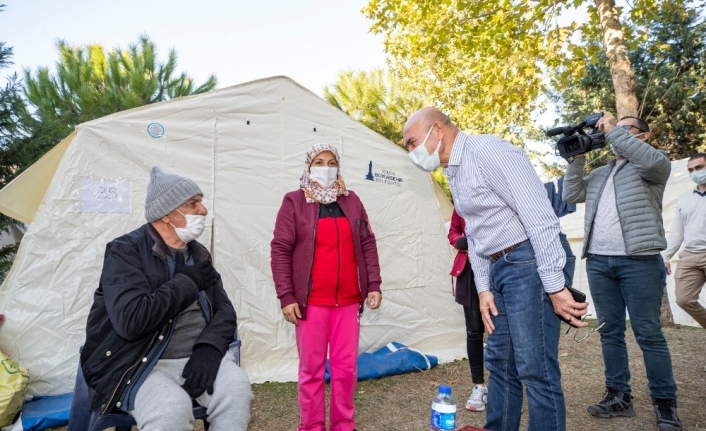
313,191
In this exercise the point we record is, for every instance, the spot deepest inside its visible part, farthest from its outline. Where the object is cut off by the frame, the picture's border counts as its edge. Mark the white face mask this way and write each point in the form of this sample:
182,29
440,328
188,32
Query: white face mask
324,176
699,177
421,157
195,225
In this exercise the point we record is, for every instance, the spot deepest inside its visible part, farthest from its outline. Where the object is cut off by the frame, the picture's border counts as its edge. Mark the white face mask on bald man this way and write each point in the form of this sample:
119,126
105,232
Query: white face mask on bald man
421,157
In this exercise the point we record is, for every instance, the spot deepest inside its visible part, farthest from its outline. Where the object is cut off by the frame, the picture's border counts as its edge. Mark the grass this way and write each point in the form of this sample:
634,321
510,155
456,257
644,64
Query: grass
402,403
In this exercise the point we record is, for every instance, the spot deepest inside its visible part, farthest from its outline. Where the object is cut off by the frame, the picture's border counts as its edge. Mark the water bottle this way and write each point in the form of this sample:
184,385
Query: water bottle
443,411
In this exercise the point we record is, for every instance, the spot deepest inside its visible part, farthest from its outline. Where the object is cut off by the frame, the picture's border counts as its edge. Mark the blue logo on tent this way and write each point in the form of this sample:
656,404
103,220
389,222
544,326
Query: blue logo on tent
155,130
370,176
384,176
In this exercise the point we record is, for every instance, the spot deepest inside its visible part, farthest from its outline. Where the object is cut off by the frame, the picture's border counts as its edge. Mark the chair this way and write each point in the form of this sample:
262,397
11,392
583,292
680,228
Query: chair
82,418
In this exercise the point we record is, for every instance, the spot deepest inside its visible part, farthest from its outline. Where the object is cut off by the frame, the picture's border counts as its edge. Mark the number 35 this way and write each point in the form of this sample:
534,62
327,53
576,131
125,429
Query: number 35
107,193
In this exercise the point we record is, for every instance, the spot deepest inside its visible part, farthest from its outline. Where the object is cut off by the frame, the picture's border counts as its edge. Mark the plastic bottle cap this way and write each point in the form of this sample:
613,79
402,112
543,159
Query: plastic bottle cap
443,389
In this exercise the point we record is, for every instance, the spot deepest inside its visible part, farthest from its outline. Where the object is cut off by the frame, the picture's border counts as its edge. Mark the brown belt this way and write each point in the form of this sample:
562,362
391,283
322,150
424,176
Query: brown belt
495,256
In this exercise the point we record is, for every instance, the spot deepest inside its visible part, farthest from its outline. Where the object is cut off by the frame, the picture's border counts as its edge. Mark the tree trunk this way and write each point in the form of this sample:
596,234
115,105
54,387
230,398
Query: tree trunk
665,315
623,79
624,83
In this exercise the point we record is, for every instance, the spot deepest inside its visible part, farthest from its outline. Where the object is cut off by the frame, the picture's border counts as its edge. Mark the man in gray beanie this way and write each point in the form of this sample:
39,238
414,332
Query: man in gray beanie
158,332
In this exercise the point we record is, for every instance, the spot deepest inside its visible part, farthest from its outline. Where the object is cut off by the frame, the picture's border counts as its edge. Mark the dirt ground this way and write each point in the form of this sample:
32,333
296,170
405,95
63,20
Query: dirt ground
403,402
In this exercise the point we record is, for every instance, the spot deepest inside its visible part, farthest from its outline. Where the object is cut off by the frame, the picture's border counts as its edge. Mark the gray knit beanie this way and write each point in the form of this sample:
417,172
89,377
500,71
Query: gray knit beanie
167,192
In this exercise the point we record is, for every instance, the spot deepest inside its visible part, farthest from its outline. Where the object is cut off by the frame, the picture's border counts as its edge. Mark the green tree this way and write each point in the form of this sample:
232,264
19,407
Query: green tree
90,83
488,62
669,64
376,99
10,104
482,61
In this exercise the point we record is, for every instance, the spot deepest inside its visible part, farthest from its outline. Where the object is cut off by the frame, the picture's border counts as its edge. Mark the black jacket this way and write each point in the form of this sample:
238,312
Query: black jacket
133,312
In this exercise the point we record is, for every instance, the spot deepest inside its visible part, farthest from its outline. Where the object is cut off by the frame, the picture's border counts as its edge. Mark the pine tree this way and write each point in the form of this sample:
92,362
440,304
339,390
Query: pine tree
90,83
10,104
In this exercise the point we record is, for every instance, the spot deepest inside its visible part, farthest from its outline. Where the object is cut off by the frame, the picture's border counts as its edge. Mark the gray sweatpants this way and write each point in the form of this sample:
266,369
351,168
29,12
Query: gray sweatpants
161,404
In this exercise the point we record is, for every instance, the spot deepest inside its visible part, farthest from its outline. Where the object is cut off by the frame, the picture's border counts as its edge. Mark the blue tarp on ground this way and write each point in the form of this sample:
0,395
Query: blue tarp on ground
46,412
391,360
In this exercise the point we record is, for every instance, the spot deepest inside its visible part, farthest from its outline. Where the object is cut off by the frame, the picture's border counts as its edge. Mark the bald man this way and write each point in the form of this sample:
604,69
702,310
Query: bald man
517,258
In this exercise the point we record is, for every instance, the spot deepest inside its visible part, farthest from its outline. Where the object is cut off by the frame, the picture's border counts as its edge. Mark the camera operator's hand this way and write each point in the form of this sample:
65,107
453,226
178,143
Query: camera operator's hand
607,122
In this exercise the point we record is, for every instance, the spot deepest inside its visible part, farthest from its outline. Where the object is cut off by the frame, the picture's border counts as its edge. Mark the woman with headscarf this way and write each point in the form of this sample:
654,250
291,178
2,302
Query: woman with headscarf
325,268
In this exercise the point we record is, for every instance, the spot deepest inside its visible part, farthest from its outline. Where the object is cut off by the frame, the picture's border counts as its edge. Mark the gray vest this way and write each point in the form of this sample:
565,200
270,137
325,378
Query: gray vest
639,187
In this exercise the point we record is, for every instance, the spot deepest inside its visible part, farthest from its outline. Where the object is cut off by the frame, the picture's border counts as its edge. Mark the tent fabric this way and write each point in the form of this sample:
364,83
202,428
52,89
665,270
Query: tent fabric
21,198
573,226
391,360
445,205
245,146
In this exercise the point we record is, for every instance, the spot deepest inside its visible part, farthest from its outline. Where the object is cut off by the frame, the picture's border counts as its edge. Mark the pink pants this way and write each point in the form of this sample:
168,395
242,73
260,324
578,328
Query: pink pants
337,328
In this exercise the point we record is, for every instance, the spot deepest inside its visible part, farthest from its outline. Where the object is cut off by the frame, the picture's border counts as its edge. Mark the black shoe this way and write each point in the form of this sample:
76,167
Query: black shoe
615,404
667,418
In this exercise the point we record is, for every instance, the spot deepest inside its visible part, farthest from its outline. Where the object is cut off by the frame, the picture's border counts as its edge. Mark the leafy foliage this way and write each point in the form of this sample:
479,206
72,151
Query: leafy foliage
375,99
488,63
668,57
10,103
483,62
90,83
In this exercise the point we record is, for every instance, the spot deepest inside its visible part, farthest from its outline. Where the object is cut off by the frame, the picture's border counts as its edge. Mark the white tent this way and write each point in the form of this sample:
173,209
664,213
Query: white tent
245,146
572,225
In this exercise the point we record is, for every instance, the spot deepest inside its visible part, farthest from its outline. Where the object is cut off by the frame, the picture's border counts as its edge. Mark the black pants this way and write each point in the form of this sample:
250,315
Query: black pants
467,296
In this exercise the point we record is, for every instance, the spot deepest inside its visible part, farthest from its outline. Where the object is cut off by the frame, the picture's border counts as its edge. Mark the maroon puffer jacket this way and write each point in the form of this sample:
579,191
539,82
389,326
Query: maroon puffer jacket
292,248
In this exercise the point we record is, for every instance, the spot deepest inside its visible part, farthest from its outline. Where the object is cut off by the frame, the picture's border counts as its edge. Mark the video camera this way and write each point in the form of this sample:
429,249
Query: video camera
576,140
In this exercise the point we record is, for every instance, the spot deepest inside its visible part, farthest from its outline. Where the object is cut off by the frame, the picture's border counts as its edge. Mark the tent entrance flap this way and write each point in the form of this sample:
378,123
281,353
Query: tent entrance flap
21,198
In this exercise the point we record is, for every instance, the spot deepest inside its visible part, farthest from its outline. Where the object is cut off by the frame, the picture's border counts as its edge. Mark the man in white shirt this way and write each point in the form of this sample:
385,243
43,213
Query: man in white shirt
689,229
517,259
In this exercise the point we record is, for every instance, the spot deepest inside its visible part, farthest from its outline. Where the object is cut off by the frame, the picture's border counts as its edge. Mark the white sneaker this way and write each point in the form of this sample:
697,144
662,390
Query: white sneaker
479,396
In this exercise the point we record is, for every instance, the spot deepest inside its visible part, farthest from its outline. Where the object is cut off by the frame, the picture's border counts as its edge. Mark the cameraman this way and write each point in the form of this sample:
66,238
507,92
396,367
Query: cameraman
623,237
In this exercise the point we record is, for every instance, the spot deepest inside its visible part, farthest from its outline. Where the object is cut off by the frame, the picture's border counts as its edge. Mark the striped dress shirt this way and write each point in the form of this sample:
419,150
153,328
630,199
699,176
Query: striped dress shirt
498,193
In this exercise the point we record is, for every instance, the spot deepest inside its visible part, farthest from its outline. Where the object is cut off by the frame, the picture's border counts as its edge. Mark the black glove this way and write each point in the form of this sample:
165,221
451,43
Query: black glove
202,273
201,370
462,243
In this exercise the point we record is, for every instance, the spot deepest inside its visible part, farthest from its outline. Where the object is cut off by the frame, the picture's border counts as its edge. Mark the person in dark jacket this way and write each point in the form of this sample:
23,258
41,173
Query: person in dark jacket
158,332
325,268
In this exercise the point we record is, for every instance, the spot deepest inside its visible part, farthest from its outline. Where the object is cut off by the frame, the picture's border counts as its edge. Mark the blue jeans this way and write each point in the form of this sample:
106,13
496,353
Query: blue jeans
570,265
635,283
523,349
